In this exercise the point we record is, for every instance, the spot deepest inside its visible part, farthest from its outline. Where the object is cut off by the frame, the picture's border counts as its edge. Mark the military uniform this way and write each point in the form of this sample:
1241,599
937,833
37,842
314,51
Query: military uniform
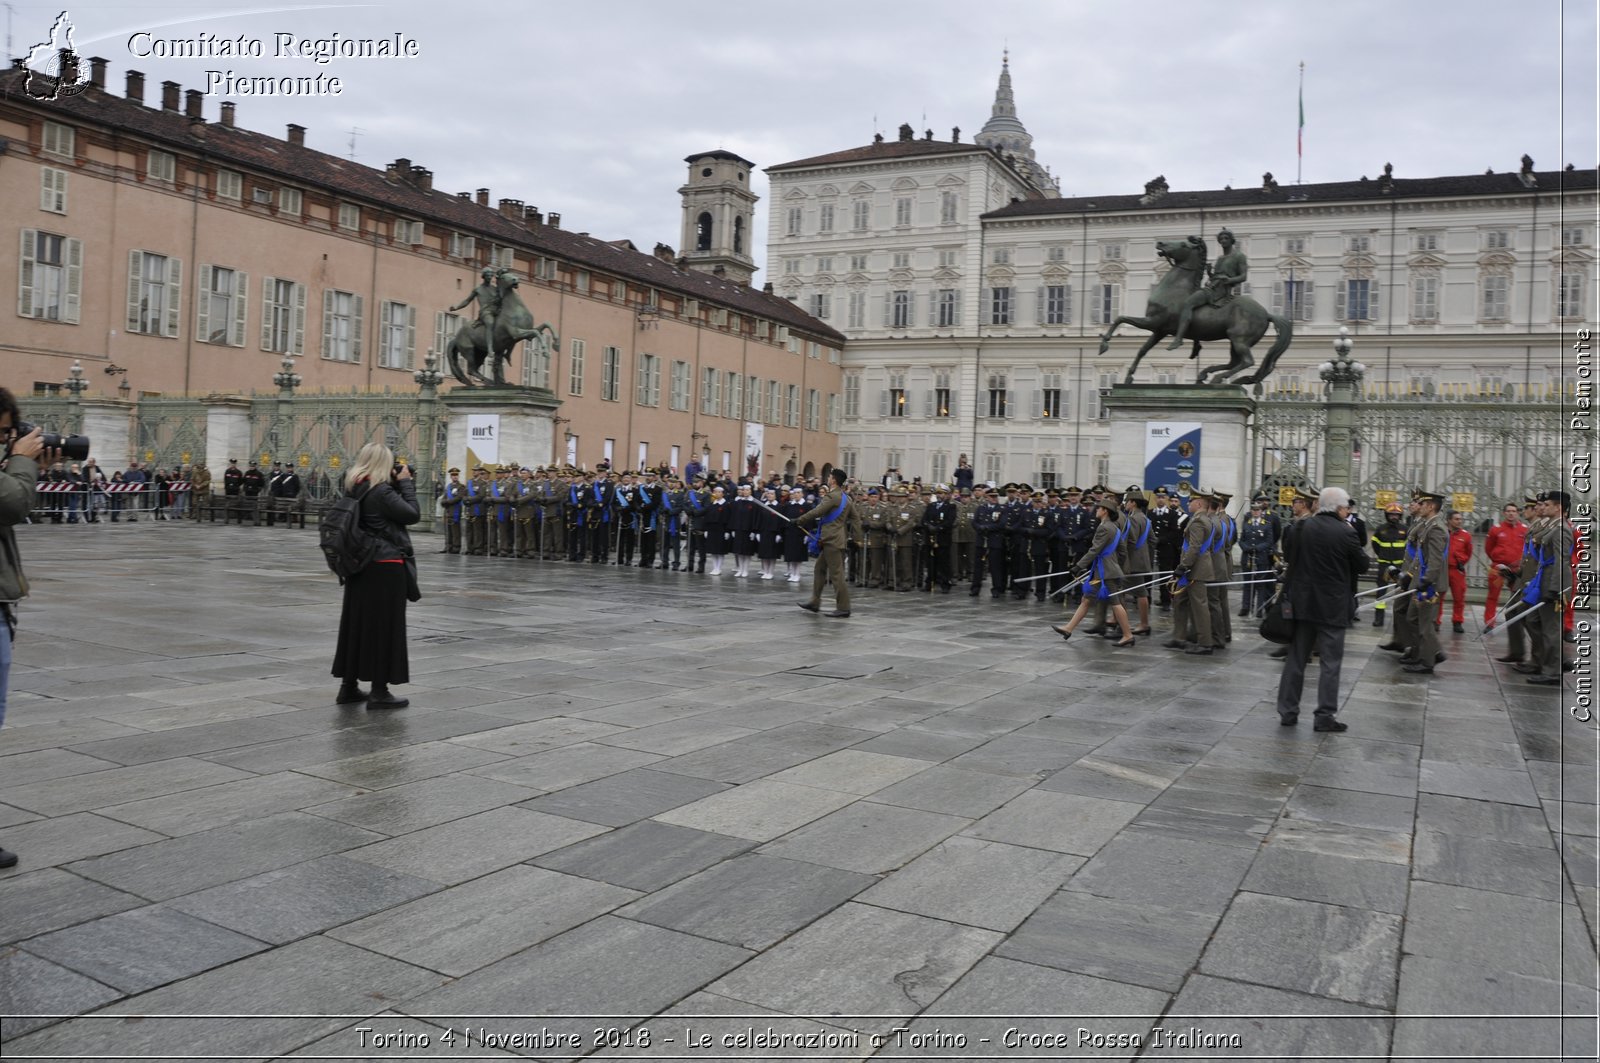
874,520
988,522
938,530
669,525
451,501
1191,606
475,510
200,489
695,501
1548,589
903,516
964,540
525,510
1414,626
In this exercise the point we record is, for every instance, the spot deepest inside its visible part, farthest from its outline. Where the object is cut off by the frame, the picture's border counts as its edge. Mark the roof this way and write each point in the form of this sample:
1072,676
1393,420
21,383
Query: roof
299,165
1492,184
718,154
886,150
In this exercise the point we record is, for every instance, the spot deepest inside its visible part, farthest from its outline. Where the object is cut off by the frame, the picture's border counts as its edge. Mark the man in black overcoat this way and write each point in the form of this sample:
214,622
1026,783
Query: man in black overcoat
1324,559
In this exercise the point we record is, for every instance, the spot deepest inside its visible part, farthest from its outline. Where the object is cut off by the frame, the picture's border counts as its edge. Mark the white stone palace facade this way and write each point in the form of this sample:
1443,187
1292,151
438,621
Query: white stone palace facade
973,297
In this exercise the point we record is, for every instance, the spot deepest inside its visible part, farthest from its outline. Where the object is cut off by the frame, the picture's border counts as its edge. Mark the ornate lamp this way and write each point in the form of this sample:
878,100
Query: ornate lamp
429,377
287,379
1343,369
75,385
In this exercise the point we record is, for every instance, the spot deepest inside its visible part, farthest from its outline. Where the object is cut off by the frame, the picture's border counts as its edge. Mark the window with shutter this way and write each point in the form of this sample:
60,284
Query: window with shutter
710,391
50,277
52,190
576,351
341,326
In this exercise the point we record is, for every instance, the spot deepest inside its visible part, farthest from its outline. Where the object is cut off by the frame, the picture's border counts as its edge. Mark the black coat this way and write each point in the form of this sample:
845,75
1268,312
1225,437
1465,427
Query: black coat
1324,559
387,511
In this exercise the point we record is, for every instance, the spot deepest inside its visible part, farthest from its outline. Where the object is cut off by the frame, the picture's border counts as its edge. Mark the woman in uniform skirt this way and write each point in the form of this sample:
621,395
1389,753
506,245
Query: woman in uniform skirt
715,522
769,542
372,624
795,554
1100,562
744,522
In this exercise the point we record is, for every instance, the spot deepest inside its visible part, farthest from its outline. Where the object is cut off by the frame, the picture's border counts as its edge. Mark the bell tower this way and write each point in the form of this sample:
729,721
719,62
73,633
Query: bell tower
718,215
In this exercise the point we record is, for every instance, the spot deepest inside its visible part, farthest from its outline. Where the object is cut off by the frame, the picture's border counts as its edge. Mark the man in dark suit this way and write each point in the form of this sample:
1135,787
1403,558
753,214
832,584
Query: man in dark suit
1324,559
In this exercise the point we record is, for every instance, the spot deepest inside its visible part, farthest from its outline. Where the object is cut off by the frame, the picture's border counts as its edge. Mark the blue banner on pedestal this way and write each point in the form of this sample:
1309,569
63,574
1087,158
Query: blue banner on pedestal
1171,455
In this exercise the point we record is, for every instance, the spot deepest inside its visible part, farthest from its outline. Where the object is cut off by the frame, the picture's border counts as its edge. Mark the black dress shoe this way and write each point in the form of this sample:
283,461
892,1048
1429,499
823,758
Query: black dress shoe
1392,647
1458,627
1062,630
7,858
1526,668
1440,657
1141,631
1543,681
1418,668
1098,630
1199,651
840,614
1288,719
1326,724
350,695
1509,659
387,700
808,607
1244,610
1280,653
1377,621
1174,644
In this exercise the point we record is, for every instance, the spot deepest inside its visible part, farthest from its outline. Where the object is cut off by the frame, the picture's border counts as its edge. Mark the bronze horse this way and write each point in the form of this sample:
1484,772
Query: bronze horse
1240,320
467,351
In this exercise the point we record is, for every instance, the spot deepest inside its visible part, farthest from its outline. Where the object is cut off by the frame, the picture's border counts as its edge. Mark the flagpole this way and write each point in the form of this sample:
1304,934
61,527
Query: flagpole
1300,134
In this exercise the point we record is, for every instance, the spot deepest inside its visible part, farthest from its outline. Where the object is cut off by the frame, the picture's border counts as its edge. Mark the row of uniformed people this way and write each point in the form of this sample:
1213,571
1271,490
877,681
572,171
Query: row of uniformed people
577,516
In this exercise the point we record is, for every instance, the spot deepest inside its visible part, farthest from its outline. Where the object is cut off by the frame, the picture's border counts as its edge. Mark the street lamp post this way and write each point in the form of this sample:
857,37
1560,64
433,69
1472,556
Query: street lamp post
1343,377
428,379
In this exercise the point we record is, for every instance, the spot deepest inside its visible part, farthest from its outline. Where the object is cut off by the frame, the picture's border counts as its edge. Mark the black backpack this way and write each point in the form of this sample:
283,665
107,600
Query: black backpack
346,545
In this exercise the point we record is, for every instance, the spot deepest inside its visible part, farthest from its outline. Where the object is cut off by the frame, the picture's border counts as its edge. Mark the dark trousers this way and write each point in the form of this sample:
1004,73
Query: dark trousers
995,550
697,549
599,540
576,538
1329,643
625,540
671,547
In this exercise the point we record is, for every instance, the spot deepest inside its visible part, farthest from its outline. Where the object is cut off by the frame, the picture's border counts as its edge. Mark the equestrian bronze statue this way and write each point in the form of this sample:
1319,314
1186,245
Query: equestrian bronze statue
504,320
1199,304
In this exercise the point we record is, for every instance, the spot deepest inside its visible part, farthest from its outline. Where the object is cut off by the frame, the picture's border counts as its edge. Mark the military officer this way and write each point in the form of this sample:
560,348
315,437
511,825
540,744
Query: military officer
938,531
964,540
477,513
1424,570
1136,540
874,519
1257,552
525,510
1191,619
647,503
1547,590
695,500
988,524
451,500
904,514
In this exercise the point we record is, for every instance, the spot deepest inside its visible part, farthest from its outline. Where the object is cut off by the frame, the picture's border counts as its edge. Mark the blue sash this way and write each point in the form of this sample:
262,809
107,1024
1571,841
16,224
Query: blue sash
814,539
1098,566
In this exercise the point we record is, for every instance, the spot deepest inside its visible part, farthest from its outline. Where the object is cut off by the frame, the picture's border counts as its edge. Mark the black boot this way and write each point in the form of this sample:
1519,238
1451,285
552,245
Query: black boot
382,699
350,694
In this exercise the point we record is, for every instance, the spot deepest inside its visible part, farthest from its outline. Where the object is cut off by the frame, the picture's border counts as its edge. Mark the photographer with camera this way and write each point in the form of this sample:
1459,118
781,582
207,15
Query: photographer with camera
372,623
19,474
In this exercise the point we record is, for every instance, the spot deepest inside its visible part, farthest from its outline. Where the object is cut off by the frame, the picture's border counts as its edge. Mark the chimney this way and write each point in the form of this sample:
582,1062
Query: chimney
135,86
399,170
169,95
664,253
553,220
227,113
297,135
67,66
193,104
532,216
422,178
511,208
955,135
767,288
483,197
463,195
97,72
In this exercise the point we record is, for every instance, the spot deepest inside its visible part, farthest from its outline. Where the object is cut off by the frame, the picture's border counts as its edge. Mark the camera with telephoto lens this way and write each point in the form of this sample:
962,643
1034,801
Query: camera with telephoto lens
73,448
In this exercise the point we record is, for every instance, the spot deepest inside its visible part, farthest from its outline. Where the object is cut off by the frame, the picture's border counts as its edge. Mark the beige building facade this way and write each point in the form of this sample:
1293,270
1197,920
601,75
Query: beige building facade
181,253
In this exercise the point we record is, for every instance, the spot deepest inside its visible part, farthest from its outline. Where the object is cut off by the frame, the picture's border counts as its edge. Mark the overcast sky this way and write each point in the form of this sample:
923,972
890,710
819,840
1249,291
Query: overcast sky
589,109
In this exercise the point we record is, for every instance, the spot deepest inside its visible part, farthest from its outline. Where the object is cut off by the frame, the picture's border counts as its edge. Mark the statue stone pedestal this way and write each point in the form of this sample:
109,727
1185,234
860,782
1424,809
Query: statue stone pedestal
499,426
1149,422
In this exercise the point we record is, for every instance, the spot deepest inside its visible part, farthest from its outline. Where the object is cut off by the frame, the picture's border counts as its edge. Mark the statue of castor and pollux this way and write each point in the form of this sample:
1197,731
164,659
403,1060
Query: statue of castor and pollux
1200,303
504,320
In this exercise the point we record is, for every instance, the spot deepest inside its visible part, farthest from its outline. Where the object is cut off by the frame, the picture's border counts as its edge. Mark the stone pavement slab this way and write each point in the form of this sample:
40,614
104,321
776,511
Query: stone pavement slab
661,798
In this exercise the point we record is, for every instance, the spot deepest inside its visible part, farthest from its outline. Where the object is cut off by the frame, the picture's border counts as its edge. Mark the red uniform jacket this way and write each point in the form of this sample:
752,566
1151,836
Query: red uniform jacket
1504,544
1460,549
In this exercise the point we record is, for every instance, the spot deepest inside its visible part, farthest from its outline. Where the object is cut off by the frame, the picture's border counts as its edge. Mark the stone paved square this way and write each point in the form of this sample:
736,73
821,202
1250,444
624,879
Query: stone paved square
645,794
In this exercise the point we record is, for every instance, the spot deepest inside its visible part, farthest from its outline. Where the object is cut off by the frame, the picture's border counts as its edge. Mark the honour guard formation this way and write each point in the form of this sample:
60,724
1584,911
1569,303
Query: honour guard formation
1112,559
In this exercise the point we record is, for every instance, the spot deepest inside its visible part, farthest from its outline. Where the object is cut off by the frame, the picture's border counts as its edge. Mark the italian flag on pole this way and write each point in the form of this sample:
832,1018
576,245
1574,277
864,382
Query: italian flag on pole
1300,133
